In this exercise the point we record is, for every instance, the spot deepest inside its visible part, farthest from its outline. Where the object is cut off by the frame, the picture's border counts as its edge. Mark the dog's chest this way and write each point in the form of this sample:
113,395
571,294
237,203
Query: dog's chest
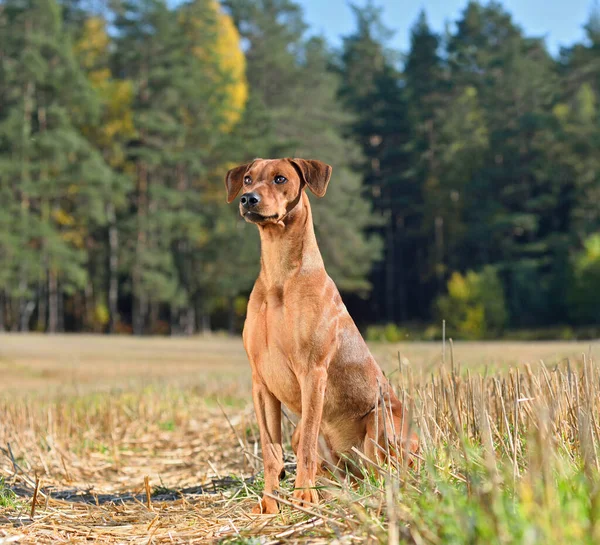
270,349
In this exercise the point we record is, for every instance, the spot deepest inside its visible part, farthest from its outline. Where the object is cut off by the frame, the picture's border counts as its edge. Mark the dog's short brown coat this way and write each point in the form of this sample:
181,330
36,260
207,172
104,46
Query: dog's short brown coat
304,349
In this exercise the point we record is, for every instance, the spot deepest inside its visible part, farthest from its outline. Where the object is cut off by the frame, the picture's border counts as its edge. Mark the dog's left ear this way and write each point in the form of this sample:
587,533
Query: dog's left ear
234,180
315,174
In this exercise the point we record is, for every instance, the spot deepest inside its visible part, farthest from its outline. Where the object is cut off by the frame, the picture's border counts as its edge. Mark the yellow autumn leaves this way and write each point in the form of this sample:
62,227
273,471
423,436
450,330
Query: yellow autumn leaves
218,41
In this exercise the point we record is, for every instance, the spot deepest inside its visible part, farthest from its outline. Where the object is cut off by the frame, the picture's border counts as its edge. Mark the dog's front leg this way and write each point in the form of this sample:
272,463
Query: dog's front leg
313,394
268,414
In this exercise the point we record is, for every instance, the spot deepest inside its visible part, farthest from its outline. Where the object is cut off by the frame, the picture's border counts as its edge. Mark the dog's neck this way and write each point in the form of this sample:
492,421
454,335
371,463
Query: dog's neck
289,245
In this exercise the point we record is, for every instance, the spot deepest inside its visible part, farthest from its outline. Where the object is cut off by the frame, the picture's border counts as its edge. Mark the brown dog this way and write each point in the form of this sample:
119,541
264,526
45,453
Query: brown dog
304,348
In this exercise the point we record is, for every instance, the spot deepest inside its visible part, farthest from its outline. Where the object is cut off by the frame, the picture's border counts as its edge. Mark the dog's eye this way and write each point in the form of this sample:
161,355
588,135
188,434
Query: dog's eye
247,180
280,179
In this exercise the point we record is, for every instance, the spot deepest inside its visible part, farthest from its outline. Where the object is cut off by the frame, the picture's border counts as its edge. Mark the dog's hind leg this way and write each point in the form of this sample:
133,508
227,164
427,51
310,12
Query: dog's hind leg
388,432
327,458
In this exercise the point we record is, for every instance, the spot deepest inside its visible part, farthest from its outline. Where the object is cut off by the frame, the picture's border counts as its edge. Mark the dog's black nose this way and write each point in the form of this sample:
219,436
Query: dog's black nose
249,200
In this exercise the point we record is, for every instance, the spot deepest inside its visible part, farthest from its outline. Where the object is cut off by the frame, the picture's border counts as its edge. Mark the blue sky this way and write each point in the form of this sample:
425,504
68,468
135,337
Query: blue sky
559,21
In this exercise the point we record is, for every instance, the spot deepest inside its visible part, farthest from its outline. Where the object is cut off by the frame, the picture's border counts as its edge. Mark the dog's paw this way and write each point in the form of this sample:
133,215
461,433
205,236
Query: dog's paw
266,506
305,494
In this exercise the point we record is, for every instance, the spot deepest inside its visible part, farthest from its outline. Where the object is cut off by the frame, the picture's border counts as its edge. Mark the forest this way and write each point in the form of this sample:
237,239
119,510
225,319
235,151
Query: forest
466,170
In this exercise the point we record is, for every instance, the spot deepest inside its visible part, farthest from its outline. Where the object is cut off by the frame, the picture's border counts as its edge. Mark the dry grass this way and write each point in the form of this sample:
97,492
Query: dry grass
84,420
67,364
70,364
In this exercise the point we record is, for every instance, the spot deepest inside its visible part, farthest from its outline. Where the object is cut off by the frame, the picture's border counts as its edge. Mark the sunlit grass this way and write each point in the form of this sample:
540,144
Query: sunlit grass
509,454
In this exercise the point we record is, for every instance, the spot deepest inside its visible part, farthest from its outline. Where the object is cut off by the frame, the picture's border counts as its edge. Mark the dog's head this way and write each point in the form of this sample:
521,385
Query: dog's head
271,188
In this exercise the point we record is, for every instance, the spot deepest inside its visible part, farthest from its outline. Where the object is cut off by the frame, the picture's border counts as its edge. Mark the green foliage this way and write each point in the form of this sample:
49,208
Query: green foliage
53,179
563,333
394,333
370,89
474,306
241,540
303,118
117,125
167,425
554,512
584,290
7,497
390,333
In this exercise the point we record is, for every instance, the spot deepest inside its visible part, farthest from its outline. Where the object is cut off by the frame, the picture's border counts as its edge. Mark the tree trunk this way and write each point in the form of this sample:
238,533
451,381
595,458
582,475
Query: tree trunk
46,219
23,324
113,265
42,309
176,321
154,316
139,297
26,313
231,317
390,290
15,313
439,253
60,299
400,280
140,300
52,301
188,314
186,324
205,325
420,275
88,314
190,326
140,310
2,322
28,98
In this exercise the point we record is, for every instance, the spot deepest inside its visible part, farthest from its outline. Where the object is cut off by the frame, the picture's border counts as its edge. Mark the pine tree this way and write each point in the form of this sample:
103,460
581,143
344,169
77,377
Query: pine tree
518,199
373,89
54,174
293,91
579,130
110,135
190,92
428,95
117,124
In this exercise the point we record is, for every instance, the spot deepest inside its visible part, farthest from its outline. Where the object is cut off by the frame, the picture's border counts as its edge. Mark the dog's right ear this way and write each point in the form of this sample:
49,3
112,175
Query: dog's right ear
234,180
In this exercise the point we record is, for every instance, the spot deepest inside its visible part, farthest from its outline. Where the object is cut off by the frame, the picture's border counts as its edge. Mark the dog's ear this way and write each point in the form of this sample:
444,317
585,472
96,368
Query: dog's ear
234,180
315,174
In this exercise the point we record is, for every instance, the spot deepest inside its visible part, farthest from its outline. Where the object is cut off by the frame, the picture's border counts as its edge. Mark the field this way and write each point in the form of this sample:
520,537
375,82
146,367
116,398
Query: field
113,440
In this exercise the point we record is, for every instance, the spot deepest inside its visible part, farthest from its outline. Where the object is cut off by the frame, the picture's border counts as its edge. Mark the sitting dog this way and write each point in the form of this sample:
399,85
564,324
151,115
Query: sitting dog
304,349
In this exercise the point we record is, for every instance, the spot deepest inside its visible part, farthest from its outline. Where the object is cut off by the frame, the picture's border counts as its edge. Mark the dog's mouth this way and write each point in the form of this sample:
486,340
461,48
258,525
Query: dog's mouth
255,217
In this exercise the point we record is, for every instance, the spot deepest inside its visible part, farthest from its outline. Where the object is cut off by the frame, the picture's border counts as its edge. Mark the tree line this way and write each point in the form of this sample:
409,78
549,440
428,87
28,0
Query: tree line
466,170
